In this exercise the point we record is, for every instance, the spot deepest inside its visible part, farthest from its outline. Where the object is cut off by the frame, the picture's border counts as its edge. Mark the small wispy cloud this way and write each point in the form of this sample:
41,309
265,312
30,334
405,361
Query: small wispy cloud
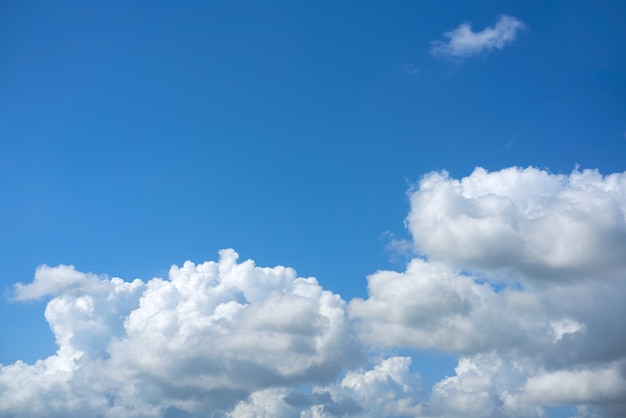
410,69
463,42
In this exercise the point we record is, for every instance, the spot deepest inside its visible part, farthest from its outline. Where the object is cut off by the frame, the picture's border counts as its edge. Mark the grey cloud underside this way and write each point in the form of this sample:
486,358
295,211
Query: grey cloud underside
520,272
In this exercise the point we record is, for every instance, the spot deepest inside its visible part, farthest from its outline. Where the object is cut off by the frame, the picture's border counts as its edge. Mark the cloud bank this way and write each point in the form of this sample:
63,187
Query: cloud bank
519,272
199,342
463,42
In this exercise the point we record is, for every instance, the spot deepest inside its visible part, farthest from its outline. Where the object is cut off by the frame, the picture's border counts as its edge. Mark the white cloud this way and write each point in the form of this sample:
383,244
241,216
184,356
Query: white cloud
463,42
55,280
521,273
490,385
266,403
389,388
606,383
524,276
527,222
565,326
430,306
199,342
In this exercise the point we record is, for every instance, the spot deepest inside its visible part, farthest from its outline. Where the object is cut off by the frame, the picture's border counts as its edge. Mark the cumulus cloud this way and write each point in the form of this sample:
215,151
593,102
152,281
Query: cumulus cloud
519,272
199,342
388,388
430,306
463,42
54,280
523,273
605,383
527,222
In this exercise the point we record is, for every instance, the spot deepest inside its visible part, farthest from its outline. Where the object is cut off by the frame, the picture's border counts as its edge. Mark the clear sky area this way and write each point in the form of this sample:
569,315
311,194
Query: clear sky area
312,209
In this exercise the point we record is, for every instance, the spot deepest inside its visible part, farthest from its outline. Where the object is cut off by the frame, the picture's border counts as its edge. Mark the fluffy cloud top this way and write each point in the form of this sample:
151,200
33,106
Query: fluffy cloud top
54,280
464,42
529,223
524,276
520,272
199,342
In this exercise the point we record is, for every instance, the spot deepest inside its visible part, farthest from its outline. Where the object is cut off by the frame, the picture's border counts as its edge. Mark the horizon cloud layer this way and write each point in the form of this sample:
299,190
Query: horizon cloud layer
519,272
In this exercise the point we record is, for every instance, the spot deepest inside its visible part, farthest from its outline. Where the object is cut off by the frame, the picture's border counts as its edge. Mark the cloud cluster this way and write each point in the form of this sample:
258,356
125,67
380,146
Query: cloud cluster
527,224
523,273
201,341
519,272
388,388
463,42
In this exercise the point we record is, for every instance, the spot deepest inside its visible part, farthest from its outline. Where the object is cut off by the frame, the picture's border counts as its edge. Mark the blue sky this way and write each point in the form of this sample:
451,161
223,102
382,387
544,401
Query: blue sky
138,136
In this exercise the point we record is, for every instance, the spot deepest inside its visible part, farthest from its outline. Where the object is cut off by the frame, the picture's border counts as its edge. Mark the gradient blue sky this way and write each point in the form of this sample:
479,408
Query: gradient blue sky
138,135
